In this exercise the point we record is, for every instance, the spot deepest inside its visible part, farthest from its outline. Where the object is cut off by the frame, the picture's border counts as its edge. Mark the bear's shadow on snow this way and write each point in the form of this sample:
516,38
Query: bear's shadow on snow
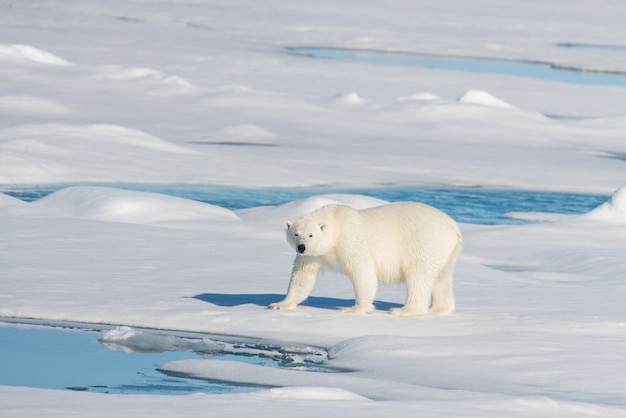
264,299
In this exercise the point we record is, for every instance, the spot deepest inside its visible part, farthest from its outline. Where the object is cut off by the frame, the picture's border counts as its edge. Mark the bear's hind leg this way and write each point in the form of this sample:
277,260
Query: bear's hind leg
443,288
443,296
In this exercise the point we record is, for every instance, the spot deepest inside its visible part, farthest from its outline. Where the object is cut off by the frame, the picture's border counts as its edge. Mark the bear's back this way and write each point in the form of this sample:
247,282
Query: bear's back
407,213
409,228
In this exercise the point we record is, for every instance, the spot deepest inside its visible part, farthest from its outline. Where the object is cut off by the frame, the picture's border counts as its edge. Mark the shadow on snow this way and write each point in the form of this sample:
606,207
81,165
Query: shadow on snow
264,299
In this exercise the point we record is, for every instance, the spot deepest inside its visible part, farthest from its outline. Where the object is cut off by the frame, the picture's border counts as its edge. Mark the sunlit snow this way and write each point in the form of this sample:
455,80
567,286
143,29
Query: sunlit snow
95,93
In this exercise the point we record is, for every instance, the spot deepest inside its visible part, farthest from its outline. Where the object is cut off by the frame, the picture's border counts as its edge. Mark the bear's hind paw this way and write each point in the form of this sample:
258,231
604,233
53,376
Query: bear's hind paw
282,306
441,311
404,311
358,309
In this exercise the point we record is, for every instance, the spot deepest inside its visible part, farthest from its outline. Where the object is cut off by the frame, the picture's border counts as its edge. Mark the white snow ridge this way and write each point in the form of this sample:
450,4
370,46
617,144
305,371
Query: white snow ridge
479,97
27,53
103,100
114,205
614,210
347,99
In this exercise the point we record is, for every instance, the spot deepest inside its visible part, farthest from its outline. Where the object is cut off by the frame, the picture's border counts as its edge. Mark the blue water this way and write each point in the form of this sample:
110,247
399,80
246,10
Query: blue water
75,360
602,47
470,205
532,69
70,358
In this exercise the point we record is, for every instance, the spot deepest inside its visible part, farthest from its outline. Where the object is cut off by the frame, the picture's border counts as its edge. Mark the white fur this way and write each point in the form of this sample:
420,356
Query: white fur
409,243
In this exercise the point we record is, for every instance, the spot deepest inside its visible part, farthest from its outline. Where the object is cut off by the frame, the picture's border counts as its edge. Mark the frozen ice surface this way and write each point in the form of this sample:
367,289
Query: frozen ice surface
132,340
193,93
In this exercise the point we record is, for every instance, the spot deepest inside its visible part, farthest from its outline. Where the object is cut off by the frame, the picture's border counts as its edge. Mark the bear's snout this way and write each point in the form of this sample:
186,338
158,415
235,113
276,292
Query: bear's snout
301,248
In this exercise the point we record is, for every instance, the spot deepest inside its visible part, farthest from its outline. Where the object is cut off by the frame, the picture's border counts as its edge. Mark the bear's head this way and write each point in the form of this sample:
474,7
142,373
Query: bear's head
307,237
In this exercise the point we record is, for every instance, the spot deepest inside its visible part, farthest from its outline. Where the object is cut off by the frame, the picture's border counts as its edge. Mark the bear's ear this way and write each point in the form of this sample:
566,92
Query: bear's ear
322,226
287,225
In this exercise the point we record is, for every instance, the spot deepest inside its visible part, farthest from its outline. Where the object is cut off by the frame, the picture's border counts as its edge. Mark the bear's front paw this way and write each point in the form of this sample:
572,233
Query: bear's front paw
282,306
359,309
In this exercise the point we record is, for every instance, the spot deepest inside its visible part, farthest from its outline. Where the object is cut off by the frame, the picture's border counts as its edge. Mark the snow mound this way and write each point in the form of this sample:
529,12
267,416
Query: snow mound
479,97
115,205
289,383
347,99
422,97
233,89
314,394
6,200
613,210
65,136
135,341
246,134
27,53
245,373
31,105
299,208
114,72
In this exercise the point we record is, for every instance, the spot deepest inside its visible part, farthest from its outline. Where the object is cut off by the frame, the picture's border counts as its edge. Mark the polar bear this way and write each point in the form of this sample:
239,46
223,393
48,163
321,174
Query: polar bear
410,243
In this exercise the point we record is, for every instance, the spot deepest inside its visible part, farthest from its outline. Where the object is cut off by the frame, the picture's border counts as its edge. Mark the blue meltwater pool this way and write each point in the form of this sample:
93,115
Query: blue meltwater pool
520,68
86,360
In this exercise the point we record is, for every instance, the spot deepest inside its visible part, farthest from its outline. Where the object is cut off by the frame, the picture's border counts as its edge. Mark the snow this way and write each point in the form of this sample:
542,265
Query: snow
114,205
28,53
206,93
612,211
479,97
347,99
246,134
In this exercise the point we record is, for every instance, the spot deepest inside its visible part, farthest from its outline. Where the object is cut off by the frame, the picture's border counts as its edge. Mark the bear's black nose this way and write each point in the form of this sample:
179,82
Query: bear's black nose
301,248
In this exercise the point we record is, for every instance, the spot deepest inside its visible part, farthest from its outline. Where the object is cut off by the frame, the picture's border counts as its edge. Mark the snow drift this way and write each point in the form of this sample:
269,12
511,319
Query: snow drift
116,205
614,210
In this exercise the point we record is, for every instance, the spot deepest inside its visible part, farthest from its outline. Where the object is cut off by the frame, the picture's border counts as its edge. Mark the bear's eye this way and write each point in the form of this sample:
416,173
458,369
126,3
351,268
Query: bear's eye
295,235
310,235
